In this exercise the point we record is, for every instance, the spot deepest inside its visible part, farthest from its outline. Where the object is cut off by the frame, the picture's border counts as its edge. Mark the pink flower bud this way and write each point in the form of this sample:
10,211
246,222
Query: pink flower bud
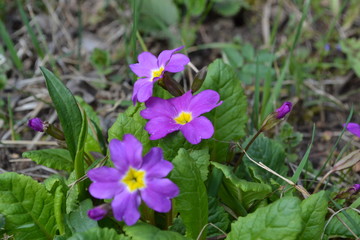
97,213
283,110
36,124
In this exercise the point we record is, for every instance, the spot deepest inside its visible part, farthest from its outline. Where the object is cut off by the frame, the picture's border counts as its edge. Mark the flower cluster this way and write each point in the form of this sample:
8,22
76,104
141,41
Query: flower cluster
133,179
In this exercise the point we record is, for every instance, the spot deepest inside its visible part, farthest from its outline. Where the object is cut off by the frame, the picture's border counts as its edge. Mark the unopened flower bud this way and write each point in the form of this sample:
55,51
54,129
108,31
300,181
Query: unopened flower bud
275,118
172,86
283,110
354,189
354,128
37,124
199,79
98,212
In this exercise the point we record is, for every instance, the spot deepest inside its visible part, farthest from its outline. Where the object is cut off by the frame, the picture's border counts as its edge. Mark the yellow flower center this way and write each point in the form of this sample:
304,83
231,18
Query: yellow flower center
183,118
134,179
156,73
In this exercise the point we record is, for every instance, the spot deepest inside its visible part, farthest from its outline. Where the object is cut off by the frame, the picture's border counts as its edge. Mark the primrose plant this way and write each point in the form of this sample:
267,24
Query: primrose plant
178,164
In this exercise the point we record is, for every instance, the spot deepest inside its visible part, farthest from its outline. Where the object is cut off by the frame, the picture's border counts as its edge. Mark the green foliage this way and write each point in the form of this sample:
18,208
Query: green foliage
230,118
79,221
59,159
98,233
194,7
313,212
141,231
269,152
351,47
290,139
229,8
238,193
337,229
218,217
27,206
157,15
66,108
131,122
192,202
279,220
100,59
201,158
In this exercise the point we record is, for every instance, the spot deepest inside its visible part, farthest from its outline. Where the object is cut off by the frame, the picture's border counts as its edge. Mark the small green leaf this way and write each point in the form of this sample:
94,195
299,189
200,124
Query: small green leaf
67,109
59,159
337,229
229,119
97,234
228,8
235,191
192,202
27,206
313,212
142,231
79,220
157,14
195,7
131,122
59,208
279,220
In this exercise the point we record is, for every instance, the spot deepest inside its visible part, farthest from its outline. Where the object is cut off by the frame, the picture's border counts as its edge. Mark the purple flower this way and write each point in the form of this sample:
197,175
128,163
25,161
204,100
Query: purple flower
355,188
283,110
181,113
150,69
97,213
354,128
36,124
133,178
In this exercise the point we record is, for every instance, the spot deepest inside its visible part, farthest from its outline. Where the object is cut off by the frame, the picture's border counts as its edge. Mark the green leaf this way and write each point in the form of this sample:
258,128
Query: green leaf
27,206
228,8
67,109
98,233
202,160
195,7
279,220
141,231
235,191
229,119
270,153
218,217
79,220
313,212
337,229
131,122
59,208
59,159
192,202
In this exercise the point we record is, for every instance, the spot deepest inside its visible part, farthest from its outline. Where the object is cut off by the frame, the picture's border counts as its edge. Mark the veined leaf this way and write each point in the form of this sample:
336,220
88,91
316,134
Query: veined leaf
131,122
27,206
142,231
67,109
98,233
229,119
337,229
279,220
79,220
313,212
59,159
218,217
235,191
192,202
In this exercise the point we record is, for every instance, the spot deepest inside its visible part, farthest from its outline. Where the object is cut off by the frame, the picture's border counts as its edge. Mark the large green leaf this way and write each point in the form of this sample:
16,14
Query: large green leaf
27,206
235,191
98,233
67,109
313,212
279,220
202,160
337,229
59,159
192,202
142,231
131,122
269,152
230,118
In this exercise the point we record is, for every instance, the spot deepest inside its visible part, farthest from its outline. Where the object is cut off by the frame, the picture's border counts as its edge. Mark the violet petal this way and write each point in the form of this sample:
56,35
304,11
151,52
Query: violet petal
199,128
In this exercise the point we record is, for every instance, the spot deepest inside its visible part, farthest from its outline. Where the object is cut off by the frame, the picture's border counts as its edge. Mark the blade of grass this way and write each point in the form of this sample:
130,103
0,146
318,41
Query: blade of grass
256,107
334,147
284,70
10,46
31,32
